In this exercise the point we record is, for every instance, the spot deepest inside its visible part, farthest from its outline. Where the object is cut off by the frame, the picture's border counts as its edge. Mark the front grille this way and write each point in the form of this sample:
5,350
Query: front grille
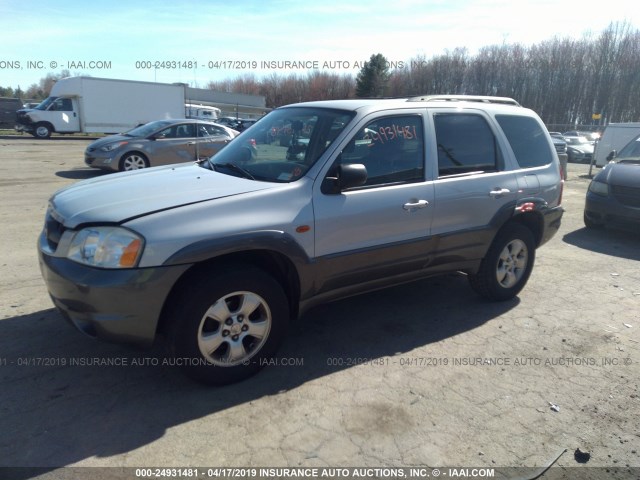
561,148
23,118
629,196
53,231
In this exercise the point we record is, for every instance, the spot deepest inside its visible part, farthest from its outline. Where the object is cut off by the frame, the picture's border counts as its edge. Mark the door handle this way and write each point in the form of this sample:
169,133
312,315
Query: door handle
191,143
413,205
498,192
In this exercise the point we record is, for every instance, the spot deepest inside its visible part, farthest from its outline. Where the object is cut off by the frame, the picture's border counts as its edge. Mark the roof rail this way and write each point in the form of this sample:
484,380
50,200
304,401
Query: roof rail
464,98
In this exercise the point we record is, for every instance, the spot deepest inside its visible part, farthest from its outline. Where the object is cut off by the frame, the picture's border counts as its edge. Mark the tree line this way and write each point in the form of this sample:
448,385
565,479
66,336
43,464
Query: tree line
37,91
564,80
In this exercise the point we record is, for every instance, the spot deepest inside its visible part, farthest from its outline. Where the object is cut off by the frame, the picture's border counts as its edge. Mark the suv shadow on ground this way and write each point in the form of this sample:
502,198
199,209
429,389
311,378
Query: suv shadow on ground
617,243
55,415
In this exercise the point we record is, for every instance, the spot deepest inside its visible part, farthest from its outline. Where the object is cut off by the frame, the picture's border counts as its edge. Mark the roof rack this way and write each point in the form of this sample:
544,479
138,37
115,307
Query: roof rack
464,98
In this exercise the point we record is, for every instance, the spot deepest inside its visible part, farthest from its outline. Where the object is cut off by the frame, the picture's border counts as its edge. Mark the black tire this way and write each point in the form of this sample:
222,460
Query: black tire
505,269
220,351
133,161
42,130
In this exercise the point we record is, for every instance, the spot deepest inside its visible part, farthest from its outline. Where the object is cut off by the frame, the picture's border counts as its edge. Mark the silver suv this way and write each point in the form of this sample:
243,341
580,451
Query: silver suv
342,197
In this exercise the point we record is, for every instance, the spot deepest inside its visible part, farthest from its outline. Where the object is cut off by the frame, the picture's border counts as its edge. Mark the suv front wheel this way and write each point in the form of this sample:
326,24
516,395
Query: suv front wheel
506,268
226,325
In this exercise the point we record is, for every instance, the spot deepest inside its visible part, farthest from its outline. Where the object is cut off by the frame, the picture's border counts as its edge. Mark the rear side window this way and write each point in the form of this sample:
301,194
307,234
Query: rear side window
466,144
211,131
528,140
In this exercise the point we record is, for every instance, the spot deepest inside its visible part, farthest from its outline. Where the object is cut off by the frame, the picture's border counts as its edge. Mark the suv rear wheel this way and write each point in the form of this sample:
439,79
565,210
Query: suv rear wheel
506,268
225,325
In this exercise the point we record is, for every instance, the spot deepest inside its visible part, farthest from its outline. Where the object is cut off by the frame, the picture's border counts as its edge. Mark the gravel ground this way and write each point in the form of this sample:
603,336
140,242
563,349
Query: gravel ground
424,374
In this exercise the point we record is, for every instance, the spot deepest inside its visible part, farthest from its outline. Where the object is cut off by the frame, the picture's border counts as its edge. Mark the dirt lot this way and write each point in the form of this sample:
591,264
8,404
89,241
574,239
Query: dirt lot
423,374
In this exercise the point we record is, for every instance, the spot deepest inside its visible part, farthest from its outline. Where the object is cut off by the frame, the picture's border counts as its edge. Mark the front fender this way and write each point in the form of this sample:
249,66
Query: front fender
273,240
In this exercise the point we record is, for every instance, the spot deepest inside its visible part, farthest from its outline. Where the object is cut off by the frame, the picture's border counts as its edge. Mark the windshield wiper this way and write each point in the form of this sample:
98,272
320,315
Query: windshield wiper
202,160
232,166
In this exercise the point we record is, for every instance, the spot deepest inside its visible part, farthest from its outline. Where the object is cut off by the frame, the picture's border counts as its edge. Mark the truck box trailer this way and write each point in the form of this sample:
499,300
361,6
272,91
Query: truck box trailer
100,105
615,137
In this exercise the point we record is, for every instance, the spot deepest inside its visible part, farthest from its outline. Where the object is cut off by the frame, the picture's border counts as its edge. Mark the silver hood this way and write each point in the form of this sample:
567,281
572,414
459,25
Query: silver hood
122,196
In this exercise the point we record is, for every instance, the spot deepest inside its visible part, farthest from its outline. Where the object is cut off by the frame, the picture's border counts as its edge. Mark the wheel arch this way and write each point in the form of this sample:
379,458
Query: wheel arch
533,221
47,124
275,263
528,212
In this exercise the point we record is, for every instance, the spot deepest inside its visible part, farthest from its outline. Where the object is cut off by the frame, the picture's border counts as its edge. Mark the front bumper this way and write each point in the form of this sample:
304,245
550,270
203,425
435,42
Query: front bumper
101,160
579,157
21,127
609,211
121,305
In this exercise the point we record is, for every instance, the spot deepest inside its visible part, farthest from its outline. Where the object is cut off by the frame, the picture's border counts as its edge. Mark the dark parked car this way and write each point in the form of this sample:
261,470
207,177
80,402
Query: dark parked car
239,124
579,149
561,149
244,123
226,121
613,198
8,109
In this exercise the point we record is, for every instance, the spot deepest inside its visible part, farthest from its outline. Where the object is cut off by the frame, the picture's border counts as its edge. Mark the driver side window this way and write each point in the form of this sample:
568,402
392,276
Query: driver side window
390,148
169,132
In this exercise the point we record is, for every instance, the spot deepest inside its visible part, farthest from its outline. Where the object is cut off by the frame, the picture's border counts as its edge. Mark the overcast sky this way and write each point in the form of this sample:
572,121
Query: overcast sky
214,39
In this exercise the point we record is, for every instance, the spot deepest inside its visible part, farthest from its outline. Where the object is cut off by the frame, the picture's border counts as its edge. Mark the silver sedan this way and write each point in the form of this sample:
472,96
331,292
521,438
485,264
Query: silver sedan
158,143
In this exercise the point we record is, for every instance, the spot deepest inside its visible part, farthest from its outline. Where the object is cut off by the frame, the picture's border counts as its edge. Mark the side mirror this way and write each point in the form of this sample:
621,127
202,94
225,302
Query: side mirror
346,176
612,155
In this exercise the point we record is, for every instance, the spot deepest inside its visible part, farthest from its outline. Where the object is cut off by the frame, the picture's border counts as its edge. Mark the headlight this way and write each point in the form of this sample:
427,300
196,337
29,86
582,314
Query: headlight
112,146
599,188
106,247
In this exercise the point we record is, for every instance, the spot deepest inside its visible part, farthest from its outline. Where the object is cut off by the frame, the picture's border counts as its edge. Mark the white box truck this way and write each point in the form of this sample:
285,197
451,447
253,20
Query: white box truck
615,137
100,105
202,112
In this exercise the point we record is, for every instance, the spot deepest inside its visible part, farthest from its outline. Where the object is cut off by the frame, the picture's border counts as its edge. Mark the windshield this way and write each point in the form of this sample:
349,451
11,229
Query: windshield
282,146
147,129
630,151
45,103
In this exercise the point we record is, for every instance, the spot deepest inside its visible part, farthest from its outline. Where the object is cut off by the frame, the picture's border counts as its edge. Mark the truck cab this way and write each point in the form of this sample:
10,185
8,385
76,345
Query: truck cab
55,114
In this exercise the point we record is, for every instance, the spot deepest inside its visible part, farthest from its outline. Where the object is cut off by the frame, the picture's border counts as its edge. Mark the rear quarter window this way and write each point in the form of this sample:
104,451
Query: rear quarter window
528,140
466,144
